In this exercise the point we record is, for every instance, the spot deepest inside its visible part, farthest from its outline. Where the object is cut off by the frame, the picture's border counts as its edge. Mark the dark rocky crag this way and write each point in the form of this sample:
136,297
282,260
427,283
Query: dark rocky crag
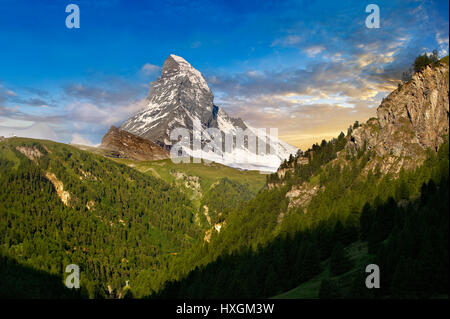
123,144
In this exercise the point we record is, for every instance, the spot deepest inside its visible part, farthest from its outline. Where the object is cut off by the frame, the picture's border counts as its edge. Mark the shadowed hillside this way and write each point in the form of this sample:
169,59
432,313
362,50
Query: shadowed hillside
18,281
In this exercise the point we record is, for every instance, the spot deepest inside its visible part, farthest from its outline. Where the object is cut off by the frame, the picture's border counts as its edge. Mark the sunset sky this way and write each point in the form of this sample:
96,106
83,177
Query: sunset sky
309,68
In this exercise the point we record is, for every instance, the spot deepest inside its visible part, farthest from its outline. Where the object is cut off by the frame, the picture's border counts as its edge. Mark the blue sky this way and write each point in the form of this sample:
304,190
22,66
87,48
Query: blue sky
310,68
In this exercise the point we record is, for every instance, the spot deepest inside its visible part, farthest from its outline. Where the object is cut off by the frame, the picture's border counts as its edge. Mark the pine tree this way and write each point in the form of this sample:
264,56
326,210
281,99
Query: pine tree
311,261
366,221
401,280
339,261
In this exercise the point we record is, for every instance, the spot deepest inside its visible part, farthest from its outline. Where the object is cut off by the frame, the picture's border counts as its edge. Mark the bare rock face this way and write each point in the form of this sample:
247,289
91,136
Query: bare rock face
411,119
282,172
178,95
301,195
126,145
419,108
59,188
33,154
302,160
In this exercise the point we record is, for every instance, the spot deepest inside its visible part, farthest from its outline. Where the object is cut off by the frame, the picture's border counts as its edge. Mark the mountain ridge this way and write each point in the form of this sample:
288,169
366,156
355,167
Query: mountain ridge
410,120
181,96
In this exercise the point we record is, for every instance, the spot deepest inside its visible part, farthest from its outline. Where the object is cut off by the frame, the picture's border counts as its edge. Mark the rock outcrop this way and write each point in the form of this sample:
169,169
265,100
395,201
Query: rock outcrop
33,154
59,188
123,144
281,172
411,119
301,195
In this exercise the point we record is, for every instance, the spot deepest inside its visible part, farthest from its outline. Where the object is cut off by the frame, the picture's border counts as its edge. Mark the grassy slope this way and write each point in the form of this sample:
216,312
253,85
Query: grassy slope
310,289
208,173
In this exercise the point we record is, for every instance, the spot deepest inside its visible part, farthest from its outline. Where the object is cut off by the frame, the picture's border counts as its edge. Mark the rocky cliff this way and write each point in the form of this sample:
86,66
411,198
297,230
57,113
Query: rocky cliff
123,144
411,119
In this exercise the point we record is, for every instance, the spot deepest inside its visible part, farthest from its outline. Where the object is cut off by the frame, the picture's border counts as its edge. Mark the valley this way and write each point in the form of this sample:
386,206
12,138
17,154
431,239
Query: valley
141,228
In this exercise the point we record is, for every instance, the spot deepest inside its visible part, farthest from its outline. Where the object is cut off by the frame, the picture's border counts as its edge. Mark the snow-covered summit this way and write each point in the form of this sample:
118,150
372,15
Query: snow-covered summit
181,96
176,66
179,59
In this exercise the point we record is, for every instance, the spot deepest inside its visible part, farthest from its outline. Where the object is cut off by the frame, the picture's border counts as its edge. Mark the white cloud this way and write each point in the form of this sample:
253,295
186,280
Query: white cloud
105,115
442,40
148,68
314,50
11,93
80,140
254,74
287,41
37,131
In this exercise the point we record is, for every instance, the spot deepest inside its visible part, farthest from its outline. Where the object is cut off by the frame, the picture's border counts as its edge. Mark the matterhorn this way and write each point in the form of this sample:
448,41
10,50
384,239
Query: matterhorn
181,98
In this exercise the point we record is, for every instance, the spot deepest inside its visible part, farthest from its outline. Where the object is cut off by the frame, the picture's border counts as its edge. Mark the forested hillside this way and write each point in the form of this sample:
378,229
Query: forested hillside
404,222
60,205
378,194
108,218
376,188
145,231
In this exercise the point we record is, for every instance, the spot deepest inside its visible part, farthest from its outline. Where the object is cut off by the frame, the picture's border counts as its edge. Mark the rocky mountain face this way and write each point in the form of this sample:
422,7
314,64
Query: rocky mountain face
181,96
178,94
123,144
411,119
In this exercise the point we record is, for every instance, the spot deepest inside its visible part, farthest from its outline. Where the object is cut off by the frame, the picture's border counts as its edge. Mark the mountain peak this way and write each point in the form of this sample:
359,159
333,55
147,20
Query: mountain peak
178,59
177,67
175,61
181,96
